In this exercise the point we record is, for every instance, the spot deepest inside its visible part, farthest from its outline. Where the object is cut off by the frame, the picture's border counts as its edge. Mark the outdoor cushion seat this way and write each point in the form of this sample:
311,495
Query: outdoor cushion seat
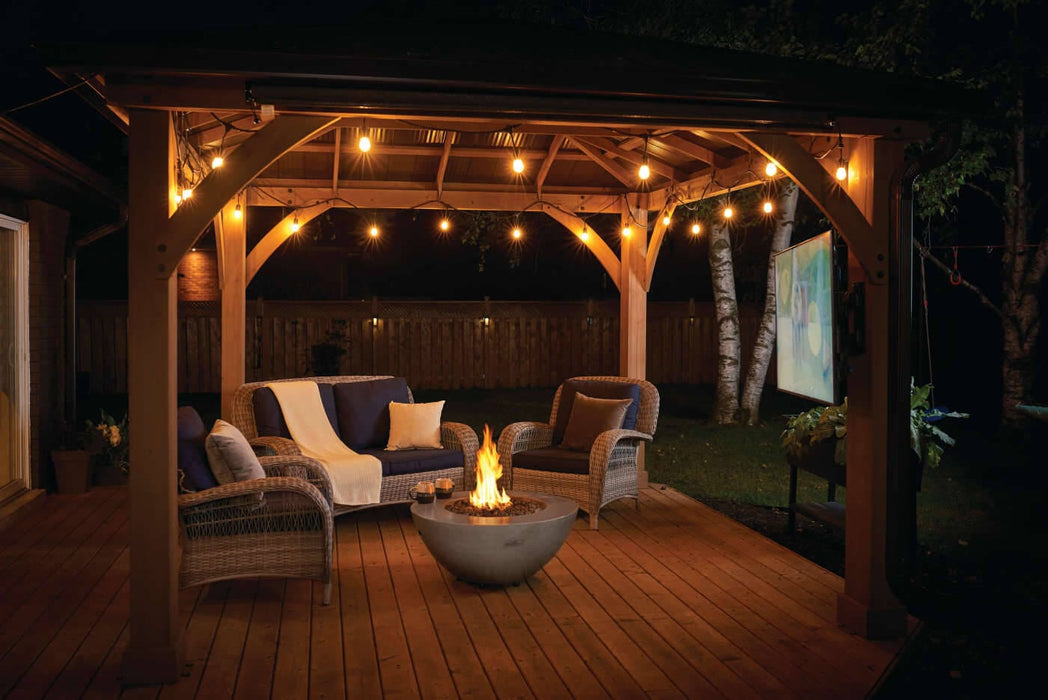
536,457
399,462
553,459
358,410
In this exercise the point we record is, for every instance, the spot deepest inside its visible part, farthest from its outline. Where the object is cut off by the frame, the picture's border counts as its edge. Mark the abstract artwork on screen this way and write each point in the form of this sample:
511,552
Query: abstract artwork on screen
804,319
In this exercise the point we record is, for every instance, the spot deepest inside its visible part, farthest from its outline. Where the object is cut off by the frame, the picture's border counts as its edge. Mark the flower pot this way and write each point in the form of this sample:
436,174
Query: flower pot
72,470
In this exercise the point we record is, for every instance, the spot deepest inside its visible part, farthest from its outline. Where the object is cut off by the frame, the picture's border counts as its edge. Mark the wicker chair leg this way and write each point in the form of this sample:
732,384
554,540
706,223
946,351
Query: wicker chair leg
327,593
593,520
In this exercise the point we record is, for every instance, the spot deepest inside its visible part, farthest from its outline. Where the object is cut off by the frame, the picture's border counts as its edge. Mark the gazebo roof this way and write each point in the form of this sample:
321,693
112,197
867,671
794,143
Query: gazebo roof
582,109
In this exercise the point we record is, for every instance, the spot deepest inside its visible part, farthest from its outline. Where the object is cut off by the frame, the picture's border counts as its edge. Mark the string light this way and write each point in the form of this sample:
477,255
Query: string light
186,193
364,144
295,225
445,225
696,228
238,213
771,169
518,162
516,233
842,163
373,232
767,206
584,234
728,212
842,170
178,200
666,220
217,162
627,232
644,172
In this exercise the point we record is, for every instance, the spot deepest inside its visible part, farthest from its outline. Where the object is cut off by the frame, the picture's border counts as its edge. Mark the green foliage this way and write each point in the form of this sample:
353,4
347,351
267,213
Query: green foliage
831,422
325,357
108,440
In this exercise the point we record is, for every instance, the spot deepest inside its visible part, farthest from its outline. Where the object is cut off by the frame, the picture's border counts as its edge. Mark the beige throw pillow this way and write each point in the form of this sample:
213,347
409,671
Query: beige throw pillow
589,418
414,425
230,455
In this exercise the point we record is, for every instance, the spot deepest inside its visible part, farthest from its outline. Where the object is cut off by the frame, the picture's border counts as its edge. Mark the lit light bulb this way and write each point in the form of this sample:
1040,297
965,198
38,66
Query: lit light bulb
518,165
217,162
627,232
238,213
517,233
373,232
178,200
842,172
445,224
728,212
364,144
187,193
295,225
584,235
767,207
666,220
644,172
696,229
771,169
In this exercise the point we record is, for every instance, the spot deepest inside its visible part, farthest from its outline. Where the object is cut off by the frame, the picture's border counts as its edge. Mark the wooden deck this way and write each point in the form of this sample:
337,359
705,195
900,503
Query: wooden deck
673,600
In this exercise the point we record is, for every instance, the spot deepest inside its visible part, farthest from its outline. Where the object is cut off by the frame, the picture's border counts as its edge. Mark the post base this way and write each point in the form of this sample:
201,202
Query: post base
152,665
881,623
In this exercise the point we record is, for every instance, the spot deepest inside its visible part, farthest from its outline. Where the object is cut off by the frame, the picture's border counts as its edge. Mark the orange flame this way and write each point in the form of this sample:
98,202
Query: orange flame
487,493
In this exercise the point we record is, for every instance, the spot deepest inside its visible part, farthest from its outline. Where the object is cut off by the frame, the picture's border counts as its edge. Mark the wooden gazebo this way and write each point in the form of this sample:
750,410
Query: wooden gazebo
446,112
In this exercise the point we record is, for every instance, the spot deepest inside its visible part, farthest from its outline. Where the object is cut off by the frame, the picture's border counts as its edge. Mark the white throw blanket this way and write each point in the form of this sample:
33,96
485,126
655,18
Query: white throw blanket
356,479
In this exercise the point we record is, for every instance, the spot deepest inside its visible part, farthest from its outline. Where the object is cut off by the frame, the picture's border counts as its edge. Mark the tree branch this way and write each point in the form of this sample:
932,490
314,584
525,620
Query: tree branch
927,255
988,194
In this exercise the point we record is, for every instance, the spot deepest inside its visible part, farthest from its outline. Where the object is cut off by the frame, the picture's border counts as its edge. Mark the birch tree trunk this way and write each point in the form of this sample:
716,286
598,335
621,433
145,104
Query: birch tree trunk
722,272
765,342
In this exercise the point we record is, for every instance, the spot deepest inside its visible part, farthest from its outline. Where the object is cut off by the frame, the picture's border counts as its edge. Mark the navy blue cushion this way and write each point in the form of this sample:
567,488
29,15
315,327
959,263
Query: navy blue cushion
269,419
192,458
553,459
598,389
363,410
396,462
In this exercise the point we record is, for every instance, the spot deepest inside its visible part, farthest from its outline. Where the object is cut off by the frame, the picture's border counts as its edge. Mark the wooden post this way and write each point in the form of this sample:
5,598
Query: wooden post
868,606
633,306
154,649
232,232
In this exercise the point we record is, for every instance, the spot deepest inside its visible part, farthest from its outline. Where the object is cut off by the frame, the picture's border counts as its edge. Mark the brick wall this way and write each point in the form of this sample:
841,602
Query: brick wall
198,276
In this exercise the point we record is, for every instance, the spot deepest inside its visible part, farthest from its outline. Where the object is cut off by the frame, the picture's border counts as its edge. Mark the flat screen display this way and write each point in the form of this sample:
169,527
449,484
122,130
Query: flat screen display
804,313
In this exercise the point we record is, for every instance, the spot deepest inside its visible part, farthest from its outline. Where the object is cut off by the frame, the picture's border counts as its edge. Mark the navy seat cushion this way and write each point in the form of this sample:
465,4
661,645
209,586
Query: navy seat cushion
363,410
192,457
269,419
397,462
598,389
553,459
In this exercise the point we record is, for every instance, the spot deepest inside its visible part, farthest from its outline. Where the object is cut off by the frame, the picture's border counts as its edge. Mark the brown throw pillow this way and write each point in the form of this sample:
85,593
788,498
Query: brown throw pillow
589,418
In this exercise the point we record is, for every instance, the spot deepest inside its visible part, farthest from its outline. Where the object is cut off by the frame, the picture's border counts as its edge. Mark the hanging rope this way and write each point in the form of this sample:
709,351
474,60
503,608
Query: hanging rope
955,275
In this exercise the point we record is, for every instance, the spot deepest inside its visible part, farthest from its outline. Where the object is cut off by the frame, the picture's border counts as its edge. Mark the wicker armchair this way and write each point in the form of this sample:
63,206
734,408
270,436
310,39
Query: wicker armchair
612,461
277,526
453,436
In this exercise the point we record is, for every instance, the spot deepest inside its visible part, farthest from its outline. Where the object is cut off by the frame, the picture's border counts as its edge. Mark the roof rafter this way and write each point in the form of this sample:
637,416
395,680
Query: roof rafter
449,139
614,169
554,148
656,165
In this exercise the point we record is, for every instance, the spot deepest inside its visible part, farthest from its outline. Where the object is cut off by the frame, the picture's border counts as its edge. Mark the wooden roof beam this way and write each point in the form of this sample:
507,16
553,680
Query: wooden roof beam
656,165
658,233
554,147
449,139
614,169
692,150
707,183
277,235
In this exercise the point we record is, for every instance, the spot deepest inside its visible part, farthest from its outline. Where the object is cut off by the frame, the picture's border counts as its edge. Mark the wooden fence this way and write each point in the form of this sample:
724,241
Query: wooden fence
435,345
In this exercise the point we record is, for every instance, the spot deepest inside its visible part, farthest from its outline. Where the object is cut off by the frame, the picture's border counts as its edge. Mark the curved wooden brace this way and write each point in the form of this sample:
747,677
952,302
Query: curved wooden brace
277,235
657,234
595,244
222,184
830,197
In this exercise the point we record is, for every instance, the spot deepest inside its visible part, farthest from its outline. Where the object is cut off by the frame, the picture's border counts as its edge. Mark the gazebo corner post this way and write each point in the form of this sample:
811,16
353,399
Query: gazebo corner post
154,650
633,303
878,403
232,232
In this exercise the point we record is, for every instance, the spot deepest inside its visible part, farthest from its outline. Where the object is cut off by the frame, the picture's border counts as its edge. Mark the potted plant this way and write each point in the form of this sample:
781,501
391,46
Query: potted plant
822,432
107,441
72,462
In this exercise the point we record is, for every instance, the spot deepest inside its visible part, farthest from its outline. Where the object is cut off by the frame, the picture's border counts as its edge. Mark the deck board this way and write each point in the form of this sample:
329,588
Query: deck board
669,600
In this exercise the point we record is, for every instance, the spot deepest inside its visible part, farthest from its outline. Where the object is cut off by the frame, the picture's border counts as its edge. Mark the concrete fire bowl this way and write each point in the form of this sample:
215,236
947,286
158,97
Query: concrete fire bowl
494,550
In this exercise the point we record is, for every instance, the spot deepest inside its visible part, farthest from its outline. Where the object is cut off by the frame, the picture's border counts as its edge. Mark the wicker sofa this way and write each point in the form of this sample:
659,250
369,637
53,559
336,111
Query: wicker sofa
401,469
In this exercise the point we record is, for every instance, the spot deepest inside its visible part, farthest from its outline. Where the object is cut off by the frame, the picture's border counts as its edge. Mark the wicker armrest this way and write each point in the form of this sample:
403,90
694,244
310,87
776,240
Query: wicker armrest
613,445
517,437
240,493
301,467
271,445
459,436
